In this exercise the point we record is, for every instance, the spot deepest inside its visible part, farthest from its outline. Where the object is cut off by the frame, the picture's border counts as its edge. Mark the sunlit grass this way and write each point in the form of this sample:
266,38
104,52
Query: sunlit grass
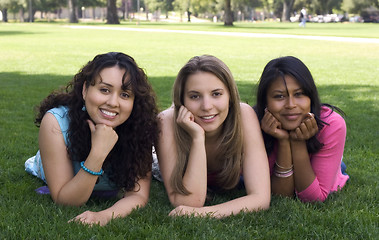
38,58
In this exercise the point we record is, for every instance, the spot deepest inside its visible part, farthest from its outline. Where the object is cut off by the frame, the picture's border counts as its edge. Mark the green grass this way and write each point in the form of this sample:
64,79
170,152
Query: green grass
38,58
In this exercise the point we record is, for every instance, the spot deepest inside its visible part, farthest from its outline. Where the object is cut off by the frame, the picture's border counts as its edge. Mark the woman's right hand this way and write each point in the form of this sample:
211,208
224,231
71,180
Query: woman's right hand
186,120
273,127
103,138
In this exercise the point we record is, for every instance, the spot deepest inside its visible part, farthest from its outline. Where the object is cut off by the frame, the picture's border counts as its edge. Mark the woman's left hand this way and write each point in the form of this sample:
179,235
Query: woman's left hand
307,129
91,218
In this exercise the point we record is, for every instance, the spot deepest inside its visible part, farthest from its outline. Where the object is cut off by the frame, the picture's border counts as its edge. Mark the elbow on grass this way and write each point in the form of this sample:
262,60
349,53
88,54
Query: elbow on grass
69,201
190,201
264,203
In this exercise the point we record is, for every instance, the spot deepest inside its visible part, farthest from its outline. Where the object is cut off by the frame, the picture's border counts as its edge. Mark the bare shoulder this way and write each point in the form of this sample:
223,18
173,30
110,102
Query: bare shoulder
50,134
166,117
245,107
248,113
50,123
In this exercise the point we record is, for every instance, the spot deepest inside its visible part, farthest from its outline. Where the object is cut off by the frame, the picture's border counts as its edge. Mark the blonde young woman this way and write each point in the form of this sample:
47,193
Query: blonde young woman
210,139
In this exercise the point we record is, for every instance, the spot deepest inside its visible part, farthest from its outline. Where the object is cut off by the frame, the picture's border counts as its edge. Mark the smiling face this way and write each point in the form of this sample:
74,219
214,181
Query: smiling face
207,98
288,104
106,102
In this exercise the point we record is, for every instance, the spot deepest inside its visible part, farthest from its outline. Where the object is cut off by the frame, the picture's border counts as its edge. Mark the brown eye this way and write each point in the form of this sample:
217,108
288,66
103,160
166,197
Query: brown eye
125,95
104,90
194,96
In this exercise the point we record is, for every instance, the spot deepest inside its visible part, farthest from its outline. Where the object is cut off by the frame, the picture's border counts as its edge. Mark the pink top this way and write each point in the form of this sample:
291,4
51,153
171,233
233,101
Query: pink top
326,163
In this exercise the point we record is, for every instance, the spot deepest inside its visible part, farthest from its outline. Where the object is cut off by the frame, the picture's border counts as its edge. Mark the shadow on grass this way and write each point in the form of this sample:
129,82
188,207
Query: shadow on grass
12,33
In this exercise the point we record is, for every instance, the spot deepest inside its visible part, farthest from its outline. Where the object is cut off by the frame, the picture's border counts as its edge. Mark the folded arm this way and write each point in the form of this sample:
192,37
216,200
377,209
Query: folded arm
195,176
255,173
136,198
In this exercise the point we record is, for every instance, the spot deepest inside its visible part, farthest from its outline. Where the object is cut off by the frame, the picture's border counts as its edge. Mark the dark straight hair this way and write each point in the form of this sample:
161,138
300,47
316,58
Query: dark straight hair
292,66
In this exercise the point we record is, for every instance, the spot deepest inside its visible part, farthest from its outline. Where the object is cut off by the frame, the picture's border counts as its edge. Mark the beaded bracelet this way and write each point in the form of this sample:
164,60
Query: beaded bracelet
284,175
90,171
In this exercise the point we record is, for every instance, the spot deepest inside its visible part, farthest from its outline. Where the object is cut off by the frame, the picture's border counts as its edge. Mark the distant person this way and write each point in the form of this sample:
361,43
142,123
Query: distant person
303,17
210,140
304,139
96,138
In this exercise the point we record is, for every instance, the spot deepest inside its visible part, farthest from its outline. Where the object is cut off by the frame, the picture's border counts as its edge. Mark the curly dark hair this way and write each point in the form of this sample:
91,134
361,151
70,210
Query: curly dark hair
131,157
294,67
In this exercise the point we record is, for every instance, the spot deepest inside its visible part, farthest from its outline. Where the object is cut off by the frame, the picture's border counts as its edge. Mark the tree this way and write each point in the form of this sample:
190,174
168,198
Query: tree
245,8
153,6
4,5
204,7
357,6
287,9
72,6
112,17
228,15
167,6
181,6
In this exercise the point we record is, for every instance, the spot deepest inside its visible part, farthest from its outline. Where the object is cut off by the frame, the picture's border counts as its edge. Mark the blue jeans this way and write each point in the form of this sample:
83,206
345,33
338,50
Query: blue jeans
343,168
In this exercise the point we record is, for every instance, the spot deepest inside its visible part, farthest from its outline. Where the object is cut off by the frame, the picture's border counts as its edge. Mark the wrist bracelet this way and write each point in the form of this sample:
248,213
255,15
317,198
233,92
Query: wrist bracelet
284,172
283,167
283,175
90,171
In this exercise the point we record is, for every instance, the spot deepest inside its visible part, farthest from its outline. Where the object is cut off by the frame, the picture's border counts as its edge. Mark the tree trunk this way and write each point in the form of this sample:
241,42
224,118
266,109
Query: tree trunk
5,14
21,14
228,17
72,11
112,17
126,10
287,9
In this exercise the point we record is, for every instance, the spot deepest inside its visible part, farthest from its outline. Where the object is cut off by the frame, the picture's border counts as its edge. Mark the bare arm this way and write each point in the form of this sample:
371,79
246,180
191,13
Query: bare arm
279,185
66,188
326,162
283,186
303,172
195,177
292,151
255,172
134,199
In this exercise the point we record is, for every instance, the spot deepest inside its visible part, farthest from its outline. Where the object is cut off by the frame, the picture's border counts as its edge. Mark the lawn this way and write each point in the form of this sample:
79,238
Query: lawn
38,58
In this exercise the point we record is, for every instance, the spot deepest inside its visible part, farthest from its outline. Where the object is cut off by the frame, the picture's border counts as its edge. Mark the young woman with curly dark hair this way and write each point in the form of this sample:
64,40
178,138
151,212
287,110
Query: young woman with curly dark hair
97,135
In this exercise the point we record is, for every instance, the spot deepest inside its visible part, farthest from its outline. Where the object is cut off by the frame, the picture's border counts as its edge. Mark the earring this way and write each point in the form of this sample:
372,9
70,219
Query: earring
84,108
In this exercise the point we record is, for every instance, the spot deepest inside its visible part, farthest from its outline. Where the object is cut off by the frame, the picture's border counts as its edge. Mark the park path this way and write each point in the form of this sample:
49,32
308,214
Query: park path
236,34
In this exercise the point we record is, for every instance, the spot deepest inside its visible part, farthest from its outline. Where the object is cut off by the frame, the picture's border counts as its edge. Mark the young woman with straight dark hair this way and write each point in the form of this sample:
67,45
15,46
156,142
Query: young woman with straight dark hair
304,139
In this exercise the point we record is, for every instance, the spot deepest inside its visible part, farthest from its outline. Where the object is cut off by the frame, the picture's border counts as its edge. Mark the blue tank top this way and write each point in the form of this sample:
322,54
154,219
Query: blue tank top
61,114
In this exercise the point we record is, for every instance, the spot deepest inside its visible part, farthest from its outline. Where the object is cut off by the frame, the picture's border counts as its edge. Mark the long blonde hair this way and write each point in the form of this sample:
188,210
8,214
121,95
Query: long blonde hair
230,147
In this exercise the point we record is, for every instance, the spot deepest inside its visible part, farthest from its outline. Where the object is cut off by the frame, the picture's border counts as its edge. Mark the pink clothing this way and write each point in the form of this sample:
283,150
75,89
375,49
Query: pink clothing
326,163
